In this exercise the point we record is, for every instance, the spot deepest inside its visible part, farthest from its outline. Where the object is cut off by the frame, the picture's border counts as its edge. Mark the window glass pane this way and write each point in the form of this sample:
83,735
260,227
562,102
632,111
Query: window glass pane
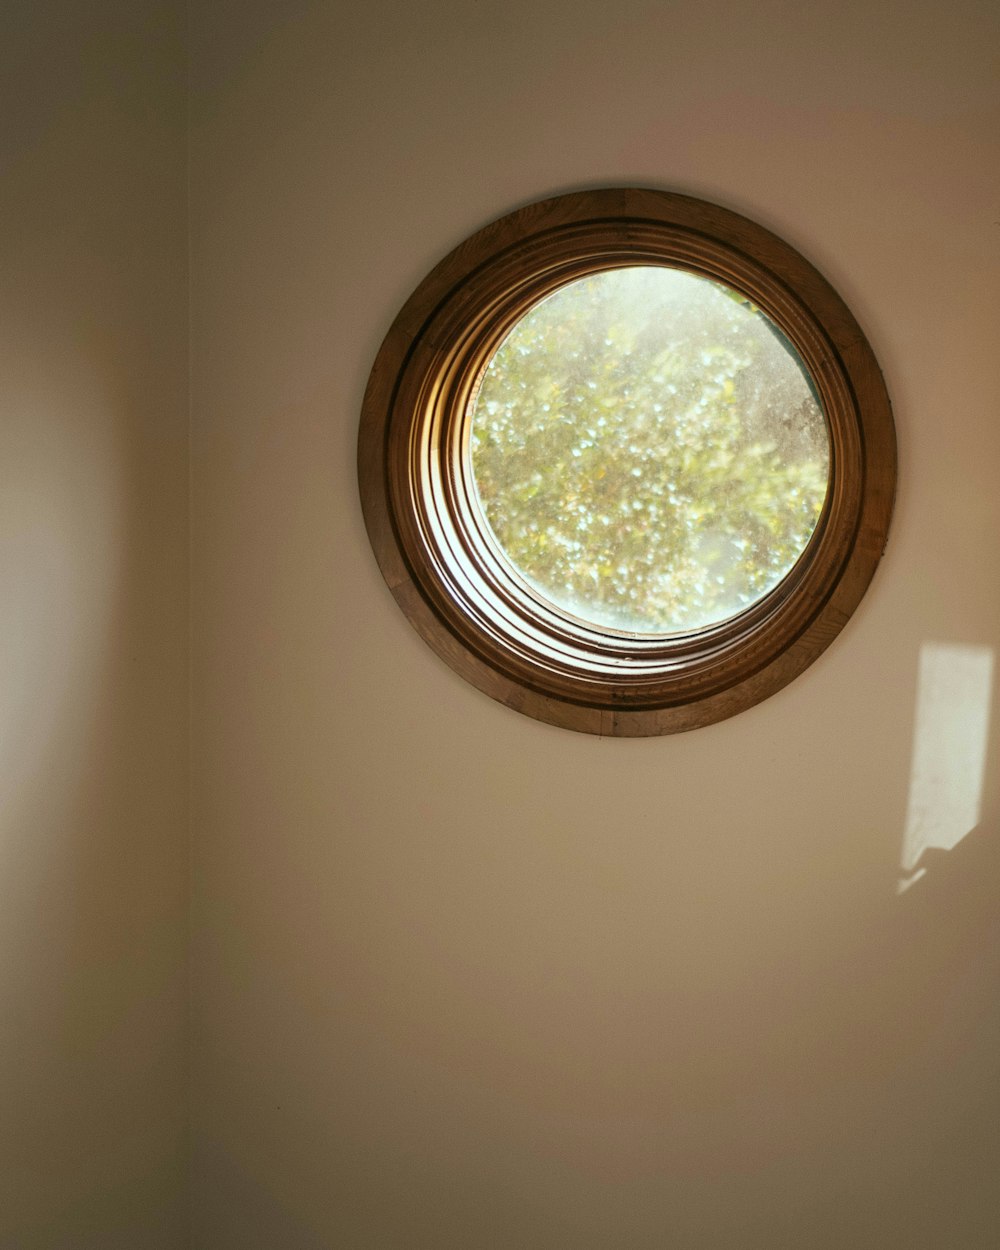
648,451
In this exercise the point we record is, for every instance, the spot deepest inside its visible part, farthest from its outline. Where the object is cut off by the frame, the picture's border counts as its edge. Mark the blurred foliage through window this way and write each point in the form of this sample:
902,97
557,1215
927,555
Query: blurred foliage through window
648,450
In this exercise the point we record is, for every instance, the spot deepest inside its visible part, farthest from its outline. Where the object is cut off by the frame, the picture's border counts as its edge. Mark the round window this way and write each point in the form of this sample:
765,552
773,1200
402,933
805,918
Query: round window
648,450
627,462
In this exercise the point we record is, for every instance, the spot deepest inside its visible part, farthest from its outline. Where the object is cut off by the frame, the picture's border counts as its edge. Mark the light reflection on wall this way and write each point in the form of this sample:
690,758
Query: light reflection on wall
63,541
949,751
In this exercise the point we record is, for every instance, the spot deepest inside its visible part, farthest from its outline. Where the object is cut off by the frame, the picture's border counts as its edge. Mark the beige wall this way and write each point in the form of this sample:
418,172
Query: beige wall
93,626
466,980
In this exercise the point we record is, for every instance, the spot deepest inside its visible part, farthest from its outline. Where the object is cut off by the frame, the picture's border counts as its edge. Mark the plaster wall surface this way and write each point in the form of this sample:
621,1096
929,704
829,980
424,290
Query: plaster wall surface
93,626
462,979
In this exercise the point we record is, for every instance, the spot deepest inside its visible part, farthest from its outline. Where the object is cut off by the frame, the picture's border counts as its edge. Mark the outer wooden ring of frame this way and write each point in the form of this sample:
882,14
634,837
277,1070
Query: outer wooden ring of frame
414,470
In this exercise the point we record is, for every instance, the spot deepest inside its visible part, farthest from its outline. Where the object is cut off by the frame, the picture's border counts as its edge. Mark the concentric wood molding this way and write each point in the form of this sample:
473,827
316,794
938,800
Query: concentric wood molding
413,470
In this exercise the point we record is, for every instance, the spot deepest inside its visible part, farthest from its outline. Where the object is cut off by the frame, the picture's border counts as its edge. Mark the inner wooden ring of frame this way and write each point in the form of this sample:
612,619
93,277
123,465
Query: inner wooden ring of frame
439,522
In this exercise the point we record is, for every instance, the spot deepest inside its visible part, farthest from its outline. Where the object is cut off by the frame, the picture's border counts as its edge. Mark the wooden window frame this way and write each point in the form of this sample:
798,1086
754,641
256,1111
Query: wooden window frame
415,472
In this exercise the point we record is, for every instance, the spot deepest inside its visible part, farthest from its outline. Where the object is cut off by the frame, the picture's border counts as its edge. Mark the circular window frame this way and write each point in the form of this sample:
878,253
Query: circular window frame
427,530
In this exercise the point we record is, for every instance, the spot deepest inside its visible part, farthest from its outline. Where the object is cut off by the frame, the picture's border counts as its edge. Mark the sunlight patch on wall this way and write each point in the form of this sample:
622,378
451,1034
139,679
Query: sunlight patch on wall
949,751
63,541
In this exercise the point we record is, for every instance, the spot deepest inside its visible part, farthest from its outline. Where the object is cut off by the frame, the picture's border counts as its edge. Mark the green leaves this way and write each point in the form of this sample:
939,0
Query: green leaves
647,451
